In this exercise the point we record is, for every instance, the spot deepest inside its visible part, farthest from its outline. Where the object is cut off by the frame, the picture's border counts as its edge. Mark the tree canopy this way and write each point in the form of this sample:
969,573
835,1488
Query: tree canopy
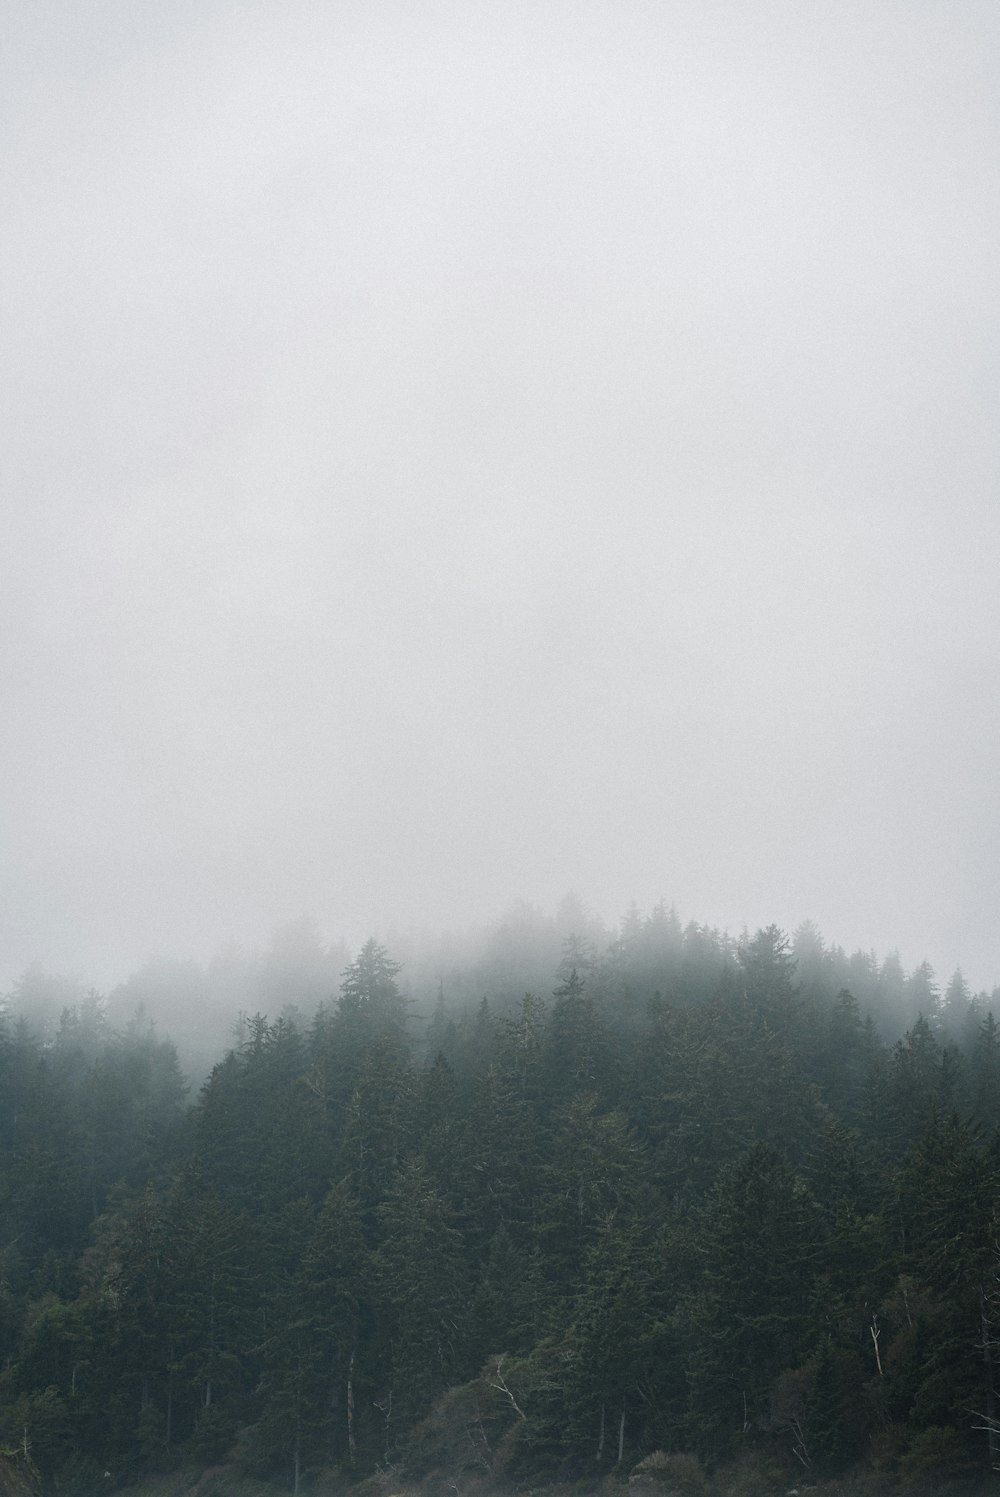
697,1197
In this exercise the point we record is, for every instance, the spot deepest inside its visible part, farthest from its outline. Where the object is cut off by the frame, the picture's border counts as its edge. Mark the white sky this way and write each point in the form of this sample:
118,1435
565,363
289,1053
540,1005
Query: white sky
461,452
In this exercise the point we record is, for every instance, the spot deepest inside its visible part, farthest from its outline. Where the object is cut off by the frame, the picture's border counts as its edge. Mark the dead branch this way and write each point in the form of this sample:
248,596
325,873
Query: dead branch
501,1387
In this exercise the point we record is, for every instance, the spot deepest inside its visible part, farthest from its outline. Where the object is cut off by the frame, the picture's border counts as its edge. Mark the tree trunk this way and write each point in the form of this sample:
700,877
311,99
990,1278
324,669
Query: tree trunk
600,1440
621,1436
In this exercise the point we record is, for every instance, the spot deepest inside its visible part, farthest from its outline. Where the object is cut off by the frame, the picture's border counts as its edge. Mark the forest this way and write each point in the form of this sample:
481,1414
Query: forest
687,1205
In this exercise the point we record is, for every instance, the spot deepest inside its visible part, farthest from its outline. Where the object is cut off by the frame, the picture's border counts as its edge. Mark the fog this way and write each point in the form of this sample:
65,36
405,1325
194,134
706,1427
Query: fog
456,454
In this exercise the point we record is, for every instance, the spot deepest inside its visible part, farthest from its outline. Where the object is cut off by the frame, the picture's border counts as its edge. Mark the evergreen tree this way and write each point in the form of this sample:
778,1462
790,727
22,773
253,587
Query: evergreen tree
985,1072
763,1244
305,1392
498,1162
576,1043
508,1299
611,1379
595,1166
422,1296
914,1080
955,1006
371,1008
334,1288
370,999
380,1123
768,969
215,1316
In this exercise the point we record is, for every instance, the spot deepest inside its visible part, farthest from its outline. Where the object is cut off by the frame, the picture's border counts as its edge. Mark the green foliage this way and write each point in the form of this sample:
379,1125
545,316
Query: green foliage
681,1474
762,1241
832,1413
421,1292
691,1204
936,1453
39,1426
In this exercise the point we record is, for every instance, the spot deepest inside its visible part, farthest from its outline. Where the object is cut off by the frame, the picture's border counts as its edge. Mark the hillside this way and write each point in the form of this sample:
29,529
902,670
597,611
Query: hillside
692,1216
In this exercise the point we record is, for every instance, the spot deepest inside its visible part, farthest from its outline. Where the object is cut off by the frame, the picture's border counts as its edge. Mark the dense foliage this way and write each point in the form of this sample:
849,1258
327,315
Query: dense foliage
701,1196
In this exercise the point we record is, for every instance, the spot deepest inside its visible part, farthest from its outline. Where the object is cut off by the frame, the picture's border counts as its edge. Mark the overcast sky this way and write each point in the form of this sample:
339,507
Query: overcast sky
457,453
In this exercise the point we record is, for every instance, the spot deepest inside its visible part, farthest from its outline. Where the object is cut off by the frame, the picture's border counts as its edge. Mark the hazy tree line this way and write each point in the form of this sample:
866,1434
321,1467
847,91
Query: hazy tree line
695,1195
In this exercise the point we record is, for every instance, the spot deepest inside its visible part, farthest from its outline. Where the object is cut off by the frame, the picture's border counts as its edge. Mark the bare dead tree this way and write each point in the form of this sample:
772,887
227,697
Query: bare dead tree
798,1441
501,1387
385,1409
476,1435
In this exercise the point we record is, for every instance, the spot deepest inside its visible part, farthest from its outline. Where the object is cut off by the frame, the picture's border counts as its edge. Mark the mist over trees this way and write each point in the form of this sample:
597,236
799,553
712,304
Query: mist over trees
545,1206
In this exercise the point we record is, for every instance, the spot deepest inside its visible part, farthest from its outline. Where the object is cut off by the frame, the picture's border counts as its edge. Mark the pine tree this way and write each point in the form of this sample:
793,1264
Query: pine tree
371,1010
768,968
380,1122
305,1393
611,1378
953,1012
422,1296
216,1319
370,998
763,1243
984,1068
576,1043
595,1167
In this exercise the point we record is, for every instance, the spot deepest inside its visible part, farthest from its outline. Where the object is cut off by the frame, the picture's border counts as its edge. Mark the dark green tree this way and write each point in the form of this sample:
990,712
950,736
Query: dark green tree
752,1320
422,1296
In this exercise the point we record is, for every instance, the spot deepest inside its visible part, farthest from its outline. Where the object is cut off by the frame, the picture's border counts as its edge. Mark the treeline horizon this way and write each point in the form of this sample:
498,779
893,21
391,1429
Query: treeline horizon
199,1005
683,1197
